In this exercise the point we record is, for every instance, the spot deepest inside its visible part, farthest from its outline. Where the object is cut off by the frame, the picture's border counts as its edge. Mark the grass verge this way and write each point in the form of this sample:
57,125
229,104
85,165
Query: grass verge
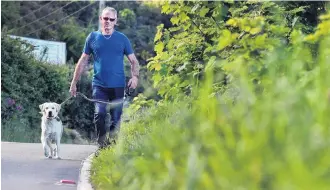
269,135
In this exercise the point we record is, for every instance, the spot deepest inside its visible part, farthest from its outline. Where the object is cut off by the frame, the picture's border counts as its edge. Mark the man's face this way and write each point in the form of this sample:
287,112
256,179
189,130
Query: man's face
108,20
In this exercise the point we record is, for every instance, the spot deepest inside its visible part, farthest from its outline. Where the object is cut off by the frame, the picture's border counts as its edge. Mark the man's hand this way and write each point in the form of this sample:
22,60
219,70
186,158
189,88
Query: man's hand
73,90
132,83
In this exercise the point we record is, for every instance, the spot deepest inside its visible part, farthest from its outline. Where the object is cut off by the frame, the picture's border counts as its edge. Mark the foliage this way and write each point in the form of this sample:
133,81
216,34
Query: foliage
74,36
30,19
307,12
135,19
139,102
26,83
205,32
10,11
45,20
321,30
268,129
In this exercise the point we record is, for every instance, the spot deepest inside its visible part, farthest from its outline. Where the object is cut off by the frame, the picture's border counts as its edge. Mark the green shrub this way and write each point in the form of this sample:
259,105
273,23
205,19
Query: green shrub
26,83
267,135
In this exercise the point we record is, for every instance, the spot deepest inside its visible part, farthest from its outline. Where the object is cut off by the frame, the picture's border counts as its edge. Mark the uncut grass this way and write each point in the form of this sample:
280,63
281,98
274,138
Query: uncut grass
274,139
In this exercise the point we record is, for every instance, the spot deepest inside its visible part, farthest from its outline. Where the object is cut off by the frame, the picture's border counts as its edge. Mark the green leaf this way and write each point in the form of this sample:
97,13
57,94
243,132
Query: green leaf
203,11
157,66
156,78
255,30
183,17
175,20
225,39
174,29
163,69
210,63
184,83
195,8
232,22
186,26
166,8
150,64
260,40
158,35
159,47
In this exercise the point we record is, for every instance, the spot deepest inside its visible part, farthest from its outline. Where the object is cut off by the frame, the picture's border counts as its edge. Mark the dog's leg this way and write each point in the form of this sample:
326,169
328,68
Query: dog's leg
46,150
44,145
57,149
55,152
49,143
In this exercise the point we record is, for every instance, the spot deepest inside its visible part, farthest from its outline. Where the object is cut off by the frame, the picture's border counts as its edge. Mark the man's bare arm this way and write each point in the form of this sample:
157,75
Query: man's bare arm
133,82
79,68
134,65
77,72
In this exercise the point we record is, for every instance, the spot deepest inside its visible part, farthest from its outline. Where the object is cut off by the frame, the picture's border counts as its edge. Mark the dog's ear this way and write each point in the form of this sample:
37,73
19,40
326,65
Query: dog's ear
58,107
41,106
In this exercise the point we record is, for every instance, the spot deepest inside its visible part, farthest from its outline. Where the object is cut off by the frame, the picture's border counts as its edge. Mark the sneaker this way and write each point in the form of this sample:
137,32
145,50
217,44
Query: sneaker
105,145
99,149
97,152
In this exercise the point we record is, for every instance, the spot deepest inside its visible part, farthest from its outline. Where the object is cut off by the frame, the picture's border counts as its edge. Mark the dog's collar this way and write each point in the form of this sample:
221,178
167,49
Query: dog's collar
57,118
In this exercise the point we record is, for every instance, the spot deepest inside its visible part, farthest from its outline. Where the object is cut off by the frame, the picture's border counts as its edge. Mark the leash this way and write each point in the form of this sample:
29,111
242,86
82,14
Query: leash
128,92
100,101
65,101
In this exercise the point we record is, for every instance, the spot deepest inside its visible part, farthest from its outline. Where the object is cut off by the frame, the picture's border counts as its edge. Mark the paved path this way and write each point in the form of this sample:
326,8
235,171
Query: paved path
23,166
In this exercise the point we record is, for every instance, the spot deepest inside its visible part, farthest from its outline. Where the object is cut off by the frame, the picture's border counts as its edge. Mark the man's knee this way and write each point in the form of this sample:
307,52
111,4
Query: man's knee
100,109
115,118
116,114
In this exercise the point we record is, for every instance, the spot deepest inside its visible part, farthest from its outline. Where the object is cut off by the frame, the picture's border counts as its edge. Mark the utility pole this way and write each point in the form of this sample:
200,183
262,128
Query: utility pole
101,7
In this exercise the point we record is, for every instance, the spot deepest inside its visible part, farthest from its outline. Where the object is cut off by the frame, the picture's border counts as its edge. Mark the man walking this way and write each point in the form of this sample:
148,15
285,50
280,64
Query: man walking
108,48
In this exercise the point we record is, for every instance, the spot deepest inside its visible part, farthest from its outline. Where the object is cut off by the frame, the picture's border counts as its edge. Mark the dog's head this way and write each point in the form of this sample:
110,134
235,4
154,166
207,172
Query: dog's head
50,110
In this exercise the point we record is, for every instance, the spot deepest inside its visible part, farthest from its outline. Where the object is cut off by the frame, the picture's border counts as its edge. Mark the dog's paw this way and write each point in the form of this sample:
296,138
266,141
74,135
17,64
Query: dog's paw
54,152
46,154
50,157
57,157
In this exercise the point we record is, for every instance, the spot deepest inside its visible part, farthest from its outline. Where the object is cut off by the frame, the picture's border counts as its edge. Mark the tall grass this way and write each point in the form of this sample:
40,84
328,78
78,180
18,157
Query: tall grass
269,135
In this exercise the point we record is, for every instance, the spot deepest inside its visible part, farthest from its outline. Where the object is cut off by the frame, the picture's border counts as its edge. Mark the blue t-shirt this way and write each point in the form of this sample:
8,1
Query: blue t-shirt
108,57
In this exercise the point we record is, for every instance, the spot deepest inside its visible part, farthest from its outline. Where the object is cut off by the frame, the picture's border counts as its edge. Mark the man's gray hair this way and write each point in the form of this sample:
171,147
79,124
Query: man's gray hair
111,9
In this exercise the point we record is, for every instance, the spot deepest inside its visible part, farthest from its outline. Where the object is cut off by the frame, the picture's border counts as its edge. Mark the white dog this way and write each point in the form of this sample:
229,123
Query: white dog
51,129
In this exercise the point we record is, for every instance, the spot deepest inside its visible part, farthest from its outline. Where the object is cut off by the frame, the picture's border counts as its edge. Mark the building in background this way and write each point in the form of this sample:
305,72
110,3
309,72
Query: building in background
50,51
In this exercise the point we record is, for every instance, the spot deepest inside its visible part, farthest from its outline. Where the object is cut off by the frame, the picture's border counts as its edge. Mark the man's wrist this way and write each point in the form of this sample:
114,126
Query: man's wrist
73,83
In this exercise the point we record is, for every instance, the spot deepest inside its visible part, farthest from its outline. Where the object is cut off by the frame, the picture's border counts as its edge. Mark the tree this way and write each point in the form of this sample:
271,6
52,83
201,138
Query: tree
204,33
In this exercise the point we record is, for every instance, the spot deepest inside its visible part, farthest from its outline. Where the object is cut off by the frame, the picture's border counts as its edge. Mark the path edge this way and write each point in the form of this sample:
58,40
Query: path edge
84,175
